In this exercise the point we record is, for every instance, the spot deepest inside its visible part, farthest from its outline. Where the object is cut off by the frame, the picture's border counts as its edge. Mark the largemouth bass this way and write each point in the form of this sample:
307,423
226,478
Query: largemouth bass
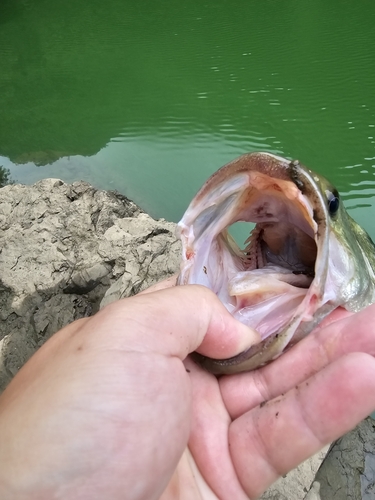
304,258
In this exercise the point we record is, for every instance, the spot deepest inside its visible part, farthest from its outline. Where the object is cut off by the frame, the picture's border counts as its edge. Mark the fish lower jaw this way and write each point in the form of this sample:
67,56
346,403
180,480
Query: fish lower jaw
266,299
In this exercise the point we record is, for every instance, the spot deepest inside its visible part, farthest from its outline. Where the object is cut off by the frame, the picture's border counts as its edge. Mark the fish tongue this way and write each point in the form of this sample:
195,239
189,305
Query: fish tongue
259,285
267,298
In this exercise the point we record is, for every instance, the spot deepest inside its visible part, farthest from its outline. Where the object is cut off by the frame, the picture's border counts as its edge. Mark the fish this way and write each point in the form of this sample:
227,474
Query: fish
304,258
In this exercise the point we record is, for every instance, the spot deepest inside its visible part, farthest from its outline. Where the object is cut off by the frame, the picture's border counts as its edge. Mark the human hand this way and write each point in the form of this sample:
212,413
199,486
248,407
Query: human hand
105,409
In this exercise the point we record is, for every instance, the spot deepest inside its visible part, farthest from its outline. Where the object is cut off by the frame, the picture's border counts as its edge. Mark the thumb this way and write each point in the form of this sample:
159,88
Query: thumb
176,321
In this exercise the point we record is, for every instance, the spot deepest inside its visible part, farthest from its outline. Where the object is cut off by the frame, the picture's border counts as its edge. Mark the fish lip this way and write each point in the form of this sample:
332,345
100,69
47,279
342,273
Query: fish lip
247,359
303,179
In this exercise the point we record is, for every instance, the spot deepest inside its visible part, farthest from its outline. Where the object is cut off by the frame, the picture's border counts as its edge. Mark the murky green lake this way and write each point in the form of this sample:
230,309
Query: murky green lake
149,98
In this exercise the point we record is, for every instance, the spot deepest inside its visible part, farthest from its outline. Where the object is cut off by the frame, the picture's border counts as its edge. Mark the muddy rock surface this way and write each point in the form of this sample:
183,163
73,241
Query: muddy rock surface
348,472
61,248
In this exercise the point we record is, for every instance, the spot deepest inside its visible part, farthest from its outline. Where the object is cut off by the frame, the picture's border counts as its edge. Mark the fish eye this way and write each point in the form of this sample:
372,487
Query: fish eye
333,201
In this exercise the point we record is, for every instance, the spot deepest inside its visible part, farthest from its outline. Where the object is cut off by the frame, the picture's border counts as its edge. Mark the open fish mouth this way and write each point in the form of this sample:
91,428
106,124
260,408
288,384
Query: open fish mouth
283,282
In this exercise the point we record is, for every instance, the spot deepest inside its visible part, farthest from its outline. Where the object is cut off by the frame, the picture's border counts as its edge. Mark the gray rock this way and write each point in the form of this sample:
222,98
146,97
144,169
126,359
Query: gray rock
61,248
348,470
297,482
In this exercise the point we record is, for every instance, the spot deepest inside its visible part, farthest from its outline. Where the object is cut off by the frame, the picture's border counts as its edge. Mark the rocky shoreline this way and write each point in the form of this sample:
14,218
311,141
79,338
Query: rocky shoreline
69,249
62,249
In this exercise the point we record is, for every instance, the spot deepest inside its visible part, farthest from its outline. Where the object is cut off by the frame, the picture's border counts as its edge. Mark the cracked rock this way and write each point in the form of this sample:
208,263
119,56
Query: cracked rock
62,247
347,472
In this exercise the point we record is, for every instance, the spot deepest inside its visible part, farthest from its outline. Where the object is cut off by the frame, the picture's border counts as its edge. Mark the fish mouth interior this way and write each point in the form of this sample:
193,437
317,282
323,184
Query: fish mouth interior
265,283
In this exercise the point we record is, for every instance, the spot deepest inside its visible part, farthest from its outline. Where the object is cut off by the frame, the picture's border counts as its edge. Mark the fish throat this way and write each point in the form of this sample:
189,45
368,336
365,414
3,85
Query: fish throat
280,244
266,281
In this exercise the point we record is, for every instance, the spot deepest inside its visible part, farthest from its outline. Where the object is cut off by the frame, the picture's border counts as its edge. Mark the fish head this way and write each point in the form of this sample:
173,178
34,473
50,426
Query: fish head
304,258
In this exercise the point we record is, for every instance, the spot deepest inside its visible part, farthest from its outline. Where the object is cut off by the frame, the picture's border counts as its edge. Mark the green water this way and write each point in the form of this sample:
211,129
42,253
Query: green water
149,98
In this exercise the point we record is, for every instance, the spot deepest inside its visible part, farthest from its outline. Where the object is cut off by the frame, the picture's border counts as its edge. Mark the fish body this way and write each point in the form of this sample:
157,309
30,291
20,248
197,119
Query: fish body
304,258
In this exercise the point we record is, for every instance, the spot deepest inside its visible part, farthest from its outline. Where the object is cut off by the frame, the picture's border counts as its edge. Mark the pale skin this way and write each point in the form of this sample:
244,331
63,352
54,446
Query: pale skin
111,407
